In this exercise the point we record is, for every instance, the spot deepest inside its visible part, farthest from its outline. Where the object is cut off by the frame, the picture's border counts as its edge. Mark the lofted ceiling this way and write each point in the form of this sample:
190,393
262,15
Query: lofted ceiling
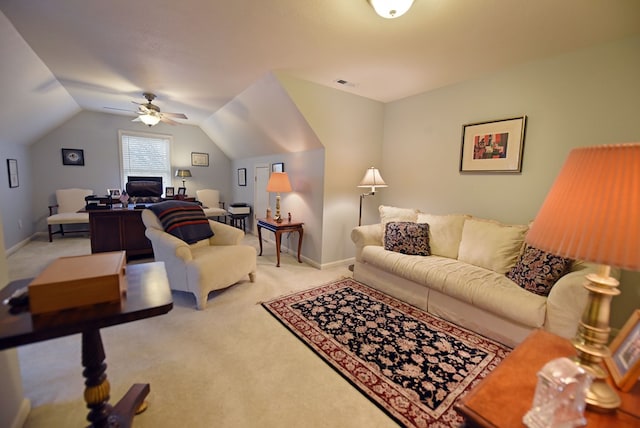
199,55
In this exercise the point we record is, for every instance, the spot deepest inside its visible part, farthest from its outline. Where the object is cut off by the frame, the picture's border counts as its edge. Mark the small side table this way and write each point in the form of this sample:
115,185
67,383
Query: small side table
238,220
279,229
506,394
148,295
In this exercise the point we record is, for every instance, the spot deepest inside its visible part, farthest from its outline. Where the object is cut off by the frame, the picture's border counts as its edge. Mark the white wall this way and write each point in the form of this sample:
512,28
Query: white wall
16,202
584,98
350,128
304,202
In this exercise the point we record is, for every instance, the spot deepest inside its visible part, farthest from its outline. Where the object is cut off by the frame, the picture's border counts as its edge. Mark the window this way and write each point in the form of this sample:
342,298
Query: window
145,155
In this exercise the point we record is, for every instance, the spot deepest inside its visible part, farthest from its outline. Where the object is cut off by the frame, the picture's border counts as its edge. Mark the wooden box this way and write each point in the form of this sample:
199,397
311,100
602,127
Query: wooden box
70,282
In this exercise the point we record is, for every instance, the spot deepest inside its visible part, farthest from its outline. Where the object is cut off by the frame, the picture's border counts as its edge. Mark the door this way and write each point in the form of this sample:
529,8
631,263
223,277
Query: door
260,194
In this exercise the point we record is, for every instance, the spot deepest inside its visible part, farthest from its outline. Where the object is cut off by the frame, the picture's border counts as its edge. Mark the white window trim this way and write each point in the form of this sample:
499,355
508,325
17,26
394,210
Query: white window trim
122,132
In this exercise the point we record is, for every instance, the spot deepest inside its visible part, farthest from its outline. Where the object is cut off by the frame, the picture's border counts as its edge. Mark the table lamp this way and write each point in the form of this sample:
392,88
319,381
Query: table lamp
278,182
592,213
373,179
183,173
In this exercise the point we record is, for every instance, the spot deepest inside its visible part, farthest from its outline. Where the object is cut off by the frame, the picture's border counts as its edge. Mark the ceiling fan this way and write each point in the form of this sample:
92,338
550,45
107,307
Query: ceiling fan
150,114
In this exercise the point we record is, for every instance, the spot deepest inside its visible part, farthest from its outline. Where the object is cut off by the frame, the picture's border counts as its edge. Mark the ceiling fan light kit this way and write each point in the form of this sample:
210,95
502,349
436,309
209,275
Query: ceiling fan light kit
150,114
391,8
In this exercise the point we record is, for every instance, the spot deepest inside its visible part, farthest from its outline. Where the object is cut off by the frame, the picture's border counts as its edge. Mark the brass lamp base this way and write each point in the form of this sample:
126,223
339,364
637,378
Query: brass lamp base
592,338
278,217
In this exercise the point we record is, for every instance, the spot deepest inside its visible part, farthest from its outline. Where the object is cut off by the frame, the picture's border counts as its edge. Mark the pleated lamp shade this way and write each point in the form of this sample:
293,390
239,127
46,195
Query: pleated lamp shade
592,211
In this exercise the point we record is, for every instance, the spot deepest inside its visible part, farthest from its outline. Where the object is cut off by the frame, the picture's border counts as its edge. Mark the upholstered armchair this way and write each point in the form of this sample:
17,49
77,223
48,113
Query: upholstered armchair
211,205
209,264
68,203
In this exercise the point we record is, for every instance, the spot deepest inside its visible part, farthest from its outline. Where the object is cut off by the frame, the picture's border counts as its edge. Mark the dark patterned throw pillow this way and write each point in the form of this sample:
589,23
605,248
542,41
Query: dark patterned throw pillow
407,238
537,271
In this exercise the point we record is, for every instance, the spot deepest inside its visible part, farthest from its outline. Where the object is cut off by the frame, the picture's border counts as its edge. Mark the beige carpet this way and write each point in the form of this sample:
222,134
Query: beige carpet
232,365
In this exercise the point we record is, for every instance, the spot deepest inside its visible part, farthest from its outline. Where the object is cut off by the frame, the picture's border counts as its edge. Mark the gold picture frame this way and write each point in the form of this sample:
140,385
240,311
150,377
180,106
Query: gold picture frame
624,361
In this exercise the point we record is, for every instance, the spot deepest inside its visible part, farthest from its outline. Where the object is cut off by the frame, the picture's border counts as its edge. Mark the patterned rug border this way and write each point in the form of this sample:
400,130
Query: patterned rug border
403,411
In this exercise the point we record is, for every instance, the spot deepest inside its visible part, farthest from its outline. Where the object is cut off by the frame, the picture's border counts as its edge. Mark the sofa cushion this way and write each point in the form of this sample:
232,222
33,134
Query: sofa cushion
477,286
490,244
388,214
537,271
407,238
184,220
445,232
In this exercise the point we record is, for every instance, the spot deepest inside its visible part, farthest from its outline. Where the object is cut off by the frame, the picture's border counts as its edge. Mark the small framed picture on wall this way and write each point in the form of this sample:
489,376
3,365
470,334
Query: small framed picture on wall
277,167
242,176
73,157
12,169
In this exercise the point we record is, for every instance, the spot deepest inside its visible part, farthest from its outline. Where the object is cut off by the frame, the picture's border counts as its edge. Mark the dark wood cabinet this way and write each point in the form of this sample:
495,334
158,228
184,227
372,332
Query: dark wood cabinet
119,229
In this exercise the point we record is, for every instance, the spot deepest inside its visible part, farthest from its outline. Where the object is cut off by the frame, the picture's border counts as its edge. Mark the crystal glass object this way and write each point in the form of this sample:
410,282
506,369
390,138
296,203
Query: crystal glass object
559,399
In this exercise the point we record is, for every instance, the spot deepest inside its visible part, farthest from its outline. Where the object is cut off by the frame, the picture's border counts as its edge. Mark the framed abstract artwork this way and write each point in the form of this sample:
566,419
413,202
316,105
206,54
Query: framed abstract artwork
494,146
242,176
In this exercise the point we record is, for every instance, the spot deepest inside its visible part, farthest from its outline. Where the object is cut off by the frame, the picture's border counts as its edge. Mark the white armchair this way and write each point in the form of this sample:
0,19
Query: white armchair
68,203
207,265
211,204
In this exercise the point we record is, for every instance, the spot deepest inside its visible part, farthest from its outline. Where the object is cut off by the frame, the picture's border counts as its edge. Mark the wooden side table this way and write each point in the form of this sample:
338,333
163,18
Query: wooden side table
506,395
279,229
148,295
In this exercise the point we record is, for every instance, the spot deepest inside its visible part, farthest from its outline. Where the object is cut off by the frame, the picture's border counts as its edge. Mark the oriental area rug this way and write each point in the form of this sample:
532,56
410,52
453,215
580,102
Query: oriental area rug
413,365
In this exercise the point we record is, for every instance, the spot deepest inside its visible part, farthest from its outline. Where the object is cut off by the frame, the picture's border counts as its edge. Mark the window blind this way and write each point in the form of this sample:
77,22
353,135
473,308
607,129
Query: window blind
145,155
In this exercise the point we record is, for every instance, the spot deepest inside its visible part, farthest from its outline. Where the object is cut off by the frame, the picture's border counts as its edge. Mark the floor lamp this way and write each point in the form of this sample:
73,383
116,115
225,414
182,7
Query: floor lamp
592,213
372,179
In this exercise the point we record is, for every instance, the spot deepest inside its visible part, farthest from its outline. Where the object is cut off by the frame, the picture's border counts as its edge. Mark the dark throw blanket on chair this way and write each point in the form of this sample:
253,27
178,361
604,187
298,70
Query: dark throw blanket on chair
184,220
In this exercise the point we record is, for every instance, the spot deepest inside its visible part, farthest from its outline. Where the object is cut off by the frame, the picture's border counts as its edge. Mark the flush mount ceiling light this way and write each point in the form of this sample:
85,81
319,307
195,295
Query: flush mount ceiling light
391,8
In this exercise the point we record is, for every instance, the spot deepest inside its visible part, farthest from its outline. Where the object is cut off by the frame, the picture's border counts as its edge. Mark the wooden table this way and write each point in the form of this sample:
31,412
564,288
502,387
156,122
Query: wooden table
118,229
506,395
279,229
148,295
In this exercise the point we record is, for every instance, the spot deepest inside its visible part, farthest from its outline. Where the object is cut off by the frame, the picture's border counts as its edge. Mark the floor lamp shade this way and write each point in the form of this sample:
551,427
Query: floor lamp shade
592,213
278,182
372,179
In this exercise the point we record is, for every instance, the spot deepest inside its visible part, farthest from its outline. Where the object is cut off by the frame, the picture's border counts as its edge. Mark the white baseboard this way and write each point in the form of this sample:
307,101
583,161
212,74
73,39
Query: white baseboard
23,413
19,245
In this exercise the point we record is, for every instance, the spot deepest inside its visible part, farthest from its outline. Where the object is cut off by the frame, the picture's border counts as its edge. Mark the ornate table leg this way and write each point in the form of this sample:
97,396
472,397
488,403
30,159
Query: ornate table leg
97,388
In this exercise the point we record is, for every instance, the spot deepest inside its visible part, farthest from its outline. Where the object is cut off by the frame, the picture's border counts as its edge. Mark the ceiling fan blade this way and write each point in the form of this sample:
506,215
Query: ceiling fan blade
167,120
176,115
119,109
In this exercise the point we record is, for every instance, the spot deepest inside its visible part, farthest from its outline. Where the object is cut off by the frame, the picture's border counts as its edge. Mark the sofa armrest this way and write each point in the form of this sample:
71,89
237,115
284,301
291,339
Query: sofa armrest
568,298
370,234
225,234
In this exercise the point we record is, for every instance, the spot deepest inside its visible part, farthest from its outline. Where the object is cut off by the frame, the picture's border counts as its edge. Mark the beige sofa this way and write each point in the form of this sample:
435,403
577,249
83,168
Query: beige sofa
464,281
